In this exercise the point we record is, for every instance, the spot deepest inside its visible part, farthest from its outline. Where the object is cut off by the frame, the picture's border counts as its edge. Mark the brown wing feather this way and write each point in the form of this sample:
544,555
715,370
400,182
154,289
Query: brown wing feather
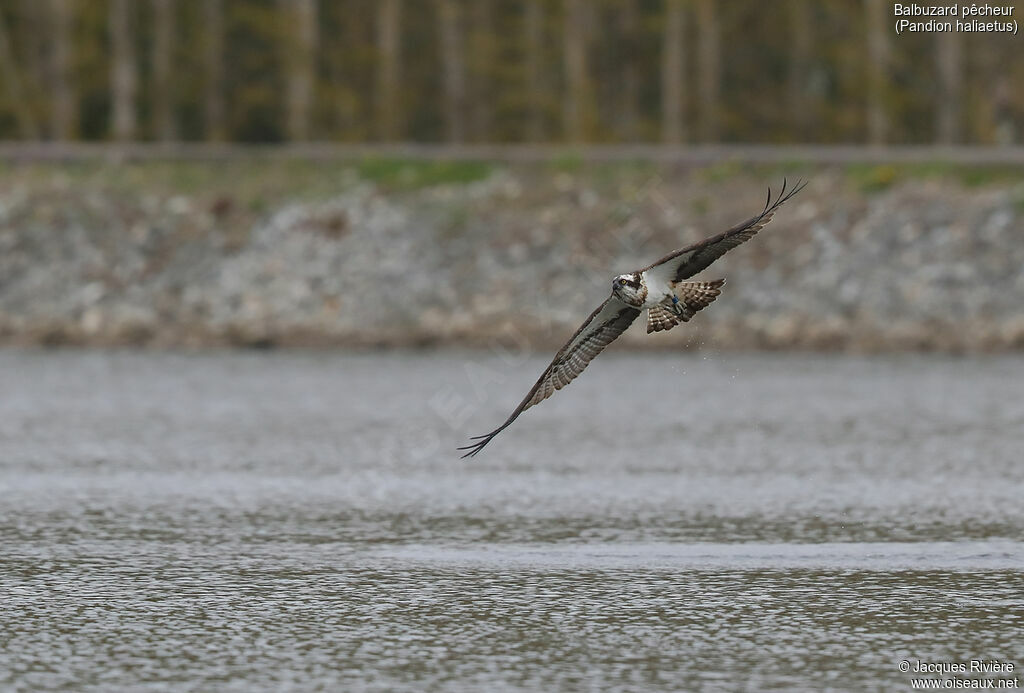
697,257
596,332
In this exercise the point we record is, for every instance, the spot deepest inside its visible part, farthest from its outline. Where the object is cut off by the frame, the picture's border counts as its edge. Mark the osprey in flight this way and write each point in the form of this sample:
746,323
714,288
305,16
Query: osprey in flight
660,288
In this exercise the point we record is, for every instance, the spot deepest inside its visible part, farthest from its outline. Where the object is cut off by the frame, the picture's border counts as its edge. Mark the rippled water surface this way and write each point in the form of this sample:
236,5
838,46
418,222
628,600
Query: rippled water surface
669,522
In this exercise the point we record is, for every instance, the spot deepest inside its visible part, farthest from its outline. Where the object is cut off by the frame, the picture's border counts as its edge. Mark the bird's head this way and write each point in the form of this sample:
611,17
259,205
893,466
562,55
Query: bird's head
630,289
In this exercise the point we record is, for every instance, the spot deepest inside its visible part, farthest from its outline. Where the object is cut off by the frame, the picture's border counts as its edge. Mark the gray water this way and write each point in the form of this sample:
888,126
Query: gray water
669,522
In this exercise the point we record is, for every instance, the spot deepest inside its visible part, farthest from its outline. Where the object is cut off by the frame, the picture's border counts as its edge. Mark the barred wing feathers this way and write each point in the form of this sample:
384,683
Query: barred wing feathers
598,331
684,263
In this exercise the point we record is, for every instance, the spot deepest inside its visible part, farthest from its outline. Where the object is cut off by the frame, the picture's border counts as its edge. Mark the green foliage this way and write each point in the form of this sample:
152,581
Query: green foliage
569,162
723,171
876,178
407,174
975,176
872,179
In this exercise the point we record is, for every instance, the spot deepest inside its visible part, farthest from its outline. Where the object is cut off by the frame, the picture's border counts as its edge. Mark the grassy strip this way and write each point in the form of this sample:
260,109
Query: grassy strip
253,184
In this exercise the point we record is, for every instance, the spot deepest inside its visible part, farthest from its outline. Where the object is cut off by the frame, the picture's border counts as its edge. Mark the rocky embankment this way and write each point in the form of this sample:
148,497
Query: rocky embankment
521,257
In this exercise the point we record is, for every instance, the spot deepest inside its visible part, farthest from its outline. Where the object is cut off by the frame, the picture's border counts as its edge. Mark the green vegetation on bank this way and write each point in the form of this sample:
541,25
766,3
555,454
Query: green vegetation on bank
255,183
411,174
878,177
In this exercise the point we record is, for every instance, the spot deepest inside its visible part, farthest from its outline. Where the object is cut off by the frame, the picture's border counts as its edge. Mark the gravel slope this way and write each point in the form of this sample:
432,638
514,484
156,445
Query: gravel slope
519,257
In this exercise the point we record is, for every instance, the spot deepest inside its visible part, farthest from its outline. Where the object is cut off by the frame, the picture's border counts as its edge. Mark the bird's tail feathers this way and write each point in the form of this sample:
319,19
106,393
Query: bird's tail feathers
697,295
659,318
693,296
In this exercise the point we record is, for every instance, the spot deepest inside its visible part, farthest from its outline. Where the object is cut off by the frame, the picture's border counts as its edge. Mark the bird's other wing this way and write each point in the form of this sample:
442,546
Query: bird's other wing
598,331
695,258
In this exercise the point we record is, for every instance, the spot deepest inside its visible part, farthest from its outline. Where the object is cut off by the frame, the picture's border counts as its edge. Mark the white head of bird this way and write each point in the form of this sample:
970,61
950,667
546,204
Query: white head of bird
630,289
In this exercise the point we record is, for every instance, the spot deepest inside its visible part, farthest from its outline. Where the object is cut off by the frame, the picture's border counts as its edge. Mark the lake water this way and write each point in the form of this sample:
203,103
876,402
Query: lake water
669,522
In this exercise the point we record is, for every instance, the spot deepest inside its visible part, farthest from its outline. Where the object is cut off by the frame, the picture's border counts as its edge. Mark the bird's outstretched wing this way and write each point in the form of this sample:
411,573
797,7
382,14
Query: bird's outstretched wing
598,331
694,258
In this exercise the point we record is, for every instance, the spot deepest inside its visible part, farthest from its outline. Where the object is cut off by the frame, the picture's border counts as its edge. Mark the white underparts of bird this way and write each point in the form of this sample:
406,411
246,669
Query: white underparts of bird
661,288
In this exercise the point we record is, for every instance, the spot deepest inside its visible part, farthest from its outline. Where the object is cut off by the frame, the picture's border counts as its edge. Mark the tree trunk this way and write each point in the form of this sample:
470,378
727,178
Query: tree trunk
301,16
800,56
673,67
388,56
577,89
164,30
33,40
213,15
947,110
878,65
482,56
708,69
123,74
353,110
62,113
533,26
13,84
629,96
450,37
